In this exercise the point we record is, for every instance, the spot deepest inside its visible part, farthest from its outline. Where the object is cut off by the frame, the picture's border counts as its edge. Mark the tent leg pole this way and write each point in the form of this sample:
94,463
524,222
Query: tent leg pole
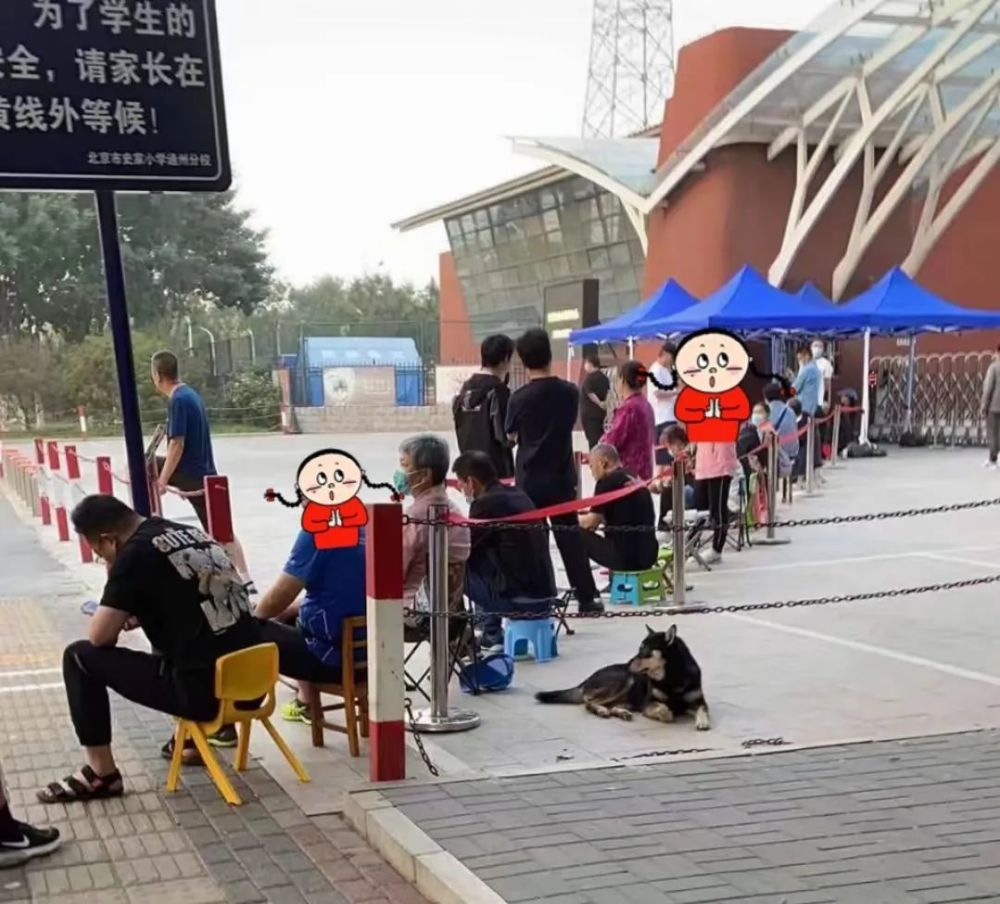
911,366
865,390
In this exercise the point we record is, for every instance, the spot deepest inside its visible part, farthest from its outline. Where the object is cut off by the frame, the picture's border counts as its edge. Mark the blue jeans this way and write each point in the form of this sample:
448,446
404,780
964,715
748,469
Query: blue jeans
480,587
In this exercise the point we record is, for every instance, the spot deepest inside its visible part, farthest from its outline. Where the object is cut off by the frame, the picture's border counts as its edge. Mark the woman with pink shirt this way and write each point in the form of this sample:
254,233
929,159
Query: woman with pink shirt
714,466
633,429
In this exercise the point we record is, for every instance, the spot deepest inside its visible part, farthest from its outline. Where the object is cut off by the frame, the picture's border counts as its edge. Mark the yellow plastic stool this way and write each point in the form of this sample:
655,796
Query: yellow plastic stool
241,677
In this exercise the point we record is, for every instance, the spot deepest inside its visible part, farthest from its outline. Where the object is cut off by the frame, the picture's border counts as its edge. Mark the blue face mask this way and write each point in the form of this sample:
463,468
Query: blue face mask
401,482
757,419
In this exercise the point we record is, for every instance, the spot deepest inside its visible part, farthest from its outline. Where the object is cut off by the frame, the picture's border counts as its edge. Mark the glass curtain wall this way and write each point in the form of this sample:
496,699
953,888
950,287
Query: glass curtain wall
507,253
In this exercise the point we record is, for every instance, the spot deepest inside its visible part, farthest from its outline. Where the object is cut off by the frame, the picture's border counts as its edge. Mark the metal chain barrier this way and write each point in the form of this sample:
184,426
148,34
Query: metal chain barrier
736,608
415,731
793,522
764,742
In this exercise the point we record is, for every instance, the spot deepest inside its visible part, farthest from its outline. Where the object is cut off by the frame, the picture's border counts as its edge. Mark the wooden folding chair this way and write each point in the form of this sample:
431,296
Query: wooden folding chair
352,690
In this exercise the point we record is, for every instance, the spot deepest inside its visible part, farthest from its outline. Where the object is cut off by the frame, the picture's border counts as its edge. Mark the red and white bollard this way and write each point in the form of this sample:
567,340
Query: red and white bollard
105,482
44,504
73,475
59,491
220,513
82,412
384,583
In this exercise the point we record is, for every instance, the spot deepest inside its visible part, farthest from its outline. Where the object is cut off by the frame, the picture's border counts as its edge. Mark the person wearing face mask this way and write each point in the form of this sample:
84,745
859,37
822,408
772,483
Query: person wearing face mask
675,438
423,469
749,441
825,371
184,591
508,570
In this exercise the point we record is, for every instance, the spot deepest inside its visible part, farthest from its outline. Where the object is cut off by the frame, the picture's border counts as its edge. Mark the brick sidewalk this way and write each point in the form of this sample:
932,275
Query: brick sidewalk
189,848
913,822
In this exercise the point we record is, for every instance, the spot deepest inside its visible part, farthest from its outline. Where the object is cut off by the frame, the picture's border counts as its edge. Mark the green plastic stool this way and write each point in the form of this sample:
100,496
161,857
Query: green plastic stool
637,588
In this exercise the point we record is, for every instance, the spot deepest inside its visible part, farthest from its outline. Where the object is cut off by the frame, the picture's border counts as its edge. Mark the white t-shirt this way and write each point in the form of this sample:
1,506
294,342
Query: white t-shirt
826,373
663,409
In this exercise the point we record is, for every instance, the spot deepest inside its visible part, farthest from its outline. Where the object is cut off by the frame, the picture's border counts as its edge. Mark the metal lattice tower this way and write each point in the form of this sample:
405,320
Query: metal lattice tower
631,70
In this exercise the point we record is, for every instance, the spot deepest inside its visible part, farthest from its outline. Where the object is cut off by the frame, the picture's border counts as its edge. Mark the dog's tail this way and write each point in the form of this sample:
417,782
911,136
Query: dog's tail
571,695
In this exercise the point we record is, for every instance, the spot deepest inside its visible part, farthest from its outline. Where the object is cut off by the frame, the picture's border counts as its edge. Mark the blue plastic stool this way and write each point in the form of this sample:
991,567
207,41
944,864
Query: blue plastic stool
535,634
634,588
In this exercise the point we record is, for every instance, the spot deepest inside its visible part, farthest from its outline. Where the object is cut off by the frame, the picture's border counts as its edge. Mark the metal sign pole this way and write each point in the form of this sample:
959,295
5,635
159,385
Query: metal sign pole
121,334
772,492
437,719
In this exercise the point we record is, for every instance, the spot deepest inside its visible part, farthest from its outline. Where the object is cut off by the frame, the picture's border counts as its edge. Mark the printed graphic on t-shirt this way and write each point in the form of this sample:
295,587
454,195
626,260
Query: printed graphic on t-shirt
196,558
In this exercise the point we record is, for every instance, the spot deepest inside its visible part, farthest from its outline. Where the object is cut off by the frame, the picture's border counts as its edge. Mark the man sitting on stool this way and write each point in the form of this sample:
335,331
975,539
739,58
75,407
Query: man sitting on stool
509,569
620,550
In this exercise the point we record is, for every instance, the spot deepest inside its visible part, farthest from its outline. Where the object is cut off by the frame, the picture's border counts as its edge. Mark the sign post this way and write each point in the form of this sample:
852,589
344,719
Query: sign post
109,96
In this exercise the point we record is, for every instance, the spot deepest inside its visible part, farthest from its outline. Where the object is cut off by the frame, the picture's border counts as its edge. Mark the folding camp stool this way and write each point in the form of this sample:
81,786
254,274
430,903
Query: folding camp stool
459,646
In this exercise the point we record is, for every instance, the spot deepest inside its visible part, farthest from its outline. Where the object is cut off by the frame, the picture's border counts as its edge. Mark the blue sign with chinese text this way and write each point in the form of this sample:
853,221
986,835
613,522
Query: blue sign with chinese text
111,94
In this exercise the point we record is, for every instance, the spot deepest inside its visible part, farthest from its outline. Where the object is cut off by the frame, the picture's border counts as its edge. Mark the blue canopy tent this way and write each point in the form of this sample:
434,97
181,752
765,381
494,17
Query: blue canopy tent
670,298
896,305
748,304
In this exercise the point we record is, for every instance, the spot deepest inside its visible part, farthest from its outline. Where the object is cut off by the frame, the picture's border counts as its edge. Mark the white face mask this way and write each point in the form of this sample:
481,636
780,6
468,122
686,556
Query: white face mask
817,351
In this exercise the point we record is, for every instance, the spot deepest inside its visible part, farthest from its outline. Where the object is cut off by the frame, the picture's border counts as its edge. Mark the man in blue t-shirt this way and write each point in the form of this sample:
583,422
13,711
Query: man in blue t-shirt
333,581
189,459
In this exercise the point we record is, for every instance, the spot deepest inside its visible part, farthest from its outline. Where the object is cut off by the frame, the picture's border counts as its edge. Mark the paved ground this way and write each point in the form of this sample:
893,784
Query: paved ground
901,822
189,848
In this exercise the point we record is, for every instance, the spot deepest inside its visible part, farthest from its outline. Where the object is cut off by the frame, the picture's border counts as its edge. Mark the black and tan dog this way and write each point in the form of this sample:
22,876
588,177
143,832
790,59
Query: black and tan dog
662,681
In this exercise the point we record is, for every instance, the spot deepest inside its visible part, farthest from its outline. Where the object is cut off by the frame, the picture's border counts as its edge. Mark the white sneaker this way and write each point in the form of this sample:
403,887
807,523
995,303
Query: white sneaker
990,465
712,557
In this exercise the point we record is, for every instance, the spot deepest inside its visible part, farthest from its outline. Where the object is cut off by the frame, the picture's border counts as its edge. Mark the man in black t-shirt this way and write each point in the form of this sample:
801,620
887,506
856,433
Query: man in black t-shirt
619,550
593,400
480,408
508,569
540,419
181,588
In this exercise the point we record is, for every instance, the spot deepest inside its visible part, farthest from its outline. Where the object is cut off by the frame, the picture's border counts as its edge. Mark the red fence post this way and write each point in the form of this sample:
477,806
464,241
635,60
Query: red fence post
220,513
155,500
59,491
73,474
105,482
384,583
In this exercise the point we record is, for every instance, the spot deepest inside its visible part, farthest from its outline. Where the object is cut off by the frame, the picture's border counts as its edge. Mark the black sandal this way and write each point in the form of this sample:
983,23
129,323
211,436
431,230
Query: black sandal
71,789
190,756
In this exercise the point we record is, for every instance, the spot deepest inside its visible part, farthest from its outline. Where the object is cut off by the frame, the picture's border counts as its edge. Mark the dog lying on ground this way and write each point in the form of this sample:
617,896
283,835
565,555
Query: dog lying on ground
662,681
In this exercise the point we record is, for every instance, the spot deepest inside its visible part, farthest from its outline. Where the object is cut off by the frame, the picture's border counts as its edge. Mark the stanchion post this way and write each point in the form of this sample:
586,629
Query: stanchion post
105,482
811,456
44,507
772,492
438,718
835,440
73,475
58,489
677,506
35,498
384,583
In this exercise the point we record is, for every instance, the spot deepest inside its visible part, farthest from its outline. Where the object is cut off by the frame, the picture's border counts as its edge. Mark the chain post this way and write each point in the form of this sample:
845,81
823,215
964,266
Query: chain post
835,441
438,718
679,539
811,457
772,491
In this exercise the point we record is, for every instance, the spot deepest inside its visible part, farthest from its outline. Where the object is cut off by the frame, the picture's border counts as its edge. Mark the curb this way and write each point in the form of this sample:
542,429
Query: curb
437,875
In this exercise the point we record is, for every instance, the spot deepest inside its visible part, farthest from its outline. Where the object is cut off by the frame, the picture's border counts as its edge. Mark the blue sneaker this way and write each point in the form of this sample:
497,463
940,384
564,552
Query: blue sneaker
90,607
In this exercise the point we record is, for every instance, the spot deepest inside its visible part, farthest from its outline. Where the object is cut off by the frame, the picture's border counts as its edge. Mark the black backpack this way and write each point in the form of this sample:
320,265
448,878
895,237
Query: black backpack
478,423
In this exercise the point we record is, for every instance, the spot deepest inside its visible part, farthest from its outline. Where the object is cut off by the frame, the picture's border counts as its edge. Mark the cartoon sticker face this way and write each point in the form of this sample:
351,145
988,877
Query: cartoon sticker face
712,362
330,479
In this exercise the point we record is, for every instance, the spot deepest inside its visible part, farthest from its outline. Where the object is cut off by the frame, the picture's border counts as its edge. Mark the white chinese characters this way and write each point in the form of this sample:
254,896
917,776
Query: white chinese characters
149,18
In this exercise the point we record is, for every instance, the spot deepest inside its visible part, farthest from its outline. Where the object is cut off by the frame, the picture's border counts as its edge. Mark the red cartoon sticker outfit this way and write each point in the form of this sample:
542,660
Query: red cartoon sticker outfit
335,526
712,417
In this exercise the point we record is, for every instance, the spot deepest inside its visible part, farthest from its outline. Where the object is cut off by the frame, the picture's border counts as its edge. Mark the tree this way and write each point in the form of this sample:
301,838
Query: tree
30,370
179,251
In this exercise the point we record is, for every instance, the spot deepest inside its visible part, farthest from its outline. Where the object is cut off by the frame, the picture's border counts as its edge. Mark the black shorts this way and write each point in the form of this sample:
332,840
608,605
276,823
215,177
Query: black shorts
188,485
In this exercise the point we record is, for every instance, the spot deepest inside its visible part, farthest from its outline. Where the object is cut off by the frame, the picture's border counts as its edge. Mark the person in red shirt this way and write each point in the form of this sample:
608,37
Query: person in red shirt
711,365
328,483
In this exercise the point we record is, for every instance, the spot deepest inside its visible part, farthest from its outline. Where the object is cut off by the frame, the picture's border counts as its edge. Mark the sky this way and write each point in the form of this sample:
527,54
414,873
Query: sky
347,115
